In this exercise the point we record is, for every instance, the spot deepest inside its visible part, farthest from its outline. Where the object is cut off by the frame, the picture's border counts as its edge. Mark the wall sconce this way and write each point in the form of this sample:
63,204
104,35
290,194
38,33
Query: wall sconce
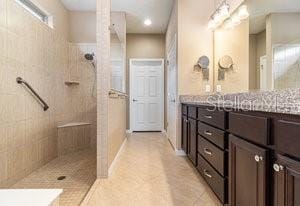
225,64
203,65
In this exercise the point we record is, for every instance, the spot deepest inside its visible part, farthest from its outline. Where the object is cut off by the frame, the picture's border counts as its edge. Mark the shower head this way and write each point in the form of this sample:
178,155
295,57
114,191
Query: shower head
89,57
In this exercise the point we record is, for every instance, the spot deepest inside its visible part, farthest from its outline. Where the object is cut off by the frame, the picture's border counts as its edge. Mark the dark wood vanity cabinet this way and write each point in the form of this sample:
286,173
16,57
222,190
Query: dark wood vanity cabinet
247,158
286,182
247,173
192,141
189,134
184,133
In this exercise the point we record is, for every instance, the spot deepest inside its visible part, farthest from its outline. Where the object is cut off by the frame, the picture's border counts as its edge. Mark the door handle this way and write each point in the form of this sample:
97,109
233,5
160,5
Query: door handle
134,100
206,173
208,133
207,151
173,100
208,117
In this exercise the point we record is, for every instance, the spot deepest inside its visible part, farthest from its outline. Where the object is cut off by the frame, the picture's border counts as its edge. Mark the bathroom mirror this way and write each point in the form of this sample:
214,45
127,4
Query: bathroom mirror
265,47
118,51
274,44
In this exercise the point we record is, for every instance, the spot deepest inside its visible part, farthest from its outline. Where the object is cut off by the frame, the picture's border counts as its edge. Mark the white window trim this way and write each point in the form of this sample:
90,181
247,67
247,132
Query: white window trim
37,11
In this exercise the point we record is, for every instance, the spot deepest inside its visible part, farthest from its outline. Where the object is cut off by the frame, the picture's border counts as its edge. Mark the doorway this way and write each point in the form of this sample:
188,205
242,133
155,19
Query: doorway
146,95
263,73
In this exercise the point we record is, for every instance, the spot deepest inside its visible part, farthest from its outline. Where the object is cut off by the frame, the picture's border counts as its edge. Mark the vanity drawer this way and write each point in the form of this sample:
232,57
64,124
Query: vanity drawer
212,154
216,182
287,137
192,112
212,117
213,134
184,110
253,128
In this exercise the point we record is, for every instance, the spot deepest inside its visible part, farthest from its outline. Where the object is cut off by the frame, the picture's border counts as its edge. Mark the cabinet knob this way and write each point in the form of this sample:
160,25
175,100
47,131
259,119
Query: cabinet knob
277,167
258,158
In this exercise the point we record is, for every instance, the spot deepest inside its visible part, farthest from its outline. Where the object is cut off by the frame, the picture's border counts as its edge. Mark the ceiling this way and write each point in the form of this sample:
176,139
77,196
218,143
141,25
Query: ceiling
136,12
80,5
259,10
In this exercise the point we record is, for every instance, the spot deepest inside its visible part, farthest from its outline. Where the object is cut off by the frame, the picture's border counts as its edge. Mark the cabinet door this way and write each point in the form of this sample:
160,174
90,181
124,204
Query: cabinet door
287,182
184,130
247,173
192,141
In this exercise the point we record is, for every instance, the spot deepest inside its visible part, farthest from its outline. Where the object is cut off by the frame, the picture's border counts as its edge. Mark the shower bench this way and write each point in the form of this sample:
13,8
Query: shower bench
72,137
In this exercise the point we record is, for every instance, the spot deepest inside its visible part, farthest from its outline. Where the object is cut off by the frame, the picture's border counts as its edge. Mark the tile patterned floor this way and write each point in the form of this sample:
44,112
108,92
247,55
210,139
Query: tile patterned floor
148,173
79,169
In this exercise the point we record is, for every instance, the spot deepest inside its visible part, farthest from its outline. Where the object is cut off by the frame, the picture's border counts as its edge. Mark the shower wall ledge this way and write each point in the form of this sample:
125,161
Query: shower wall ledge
32,197
73,124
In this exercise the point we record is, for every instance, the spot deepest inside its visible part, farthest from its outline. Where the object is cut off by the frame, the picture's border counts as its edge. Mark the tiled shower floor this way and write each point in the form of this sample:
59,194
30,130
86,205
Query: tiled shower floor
79,169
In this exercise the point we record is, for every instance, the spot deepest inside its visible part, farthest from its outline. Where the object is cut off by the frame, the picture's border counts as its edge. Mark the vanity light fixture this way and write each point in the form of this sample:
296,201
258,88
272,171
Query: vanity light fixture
230,22
237,17
243,12
221,13
147,22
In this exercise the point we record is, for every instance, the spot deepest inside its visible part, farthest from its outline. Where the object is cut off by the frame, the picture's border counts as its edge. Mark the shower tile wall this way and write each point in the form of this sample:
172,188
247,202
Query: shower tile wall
45,59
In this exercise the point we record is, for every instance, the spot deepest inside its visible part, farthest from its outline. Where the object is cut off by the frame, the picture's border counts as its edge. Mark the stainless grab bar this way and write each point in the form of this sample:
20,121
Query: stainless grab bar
117,94
22,81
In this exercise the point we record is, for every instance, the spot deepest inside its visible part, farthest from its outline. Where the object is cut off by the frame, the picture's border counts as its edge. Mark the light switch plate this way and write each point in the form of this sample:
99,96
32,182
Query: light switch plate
207,88
219,88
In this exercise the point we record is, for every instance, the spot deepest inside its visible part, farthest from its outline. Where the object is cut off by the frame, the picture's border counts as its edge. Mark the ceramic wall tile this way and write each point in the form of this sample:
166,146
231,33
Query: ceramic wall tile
40,55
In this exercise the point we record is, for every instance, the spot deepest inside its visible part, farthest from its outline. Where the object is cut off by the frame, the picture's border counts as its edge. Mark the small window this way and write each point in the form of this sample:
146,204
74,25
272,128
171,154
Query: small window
36,11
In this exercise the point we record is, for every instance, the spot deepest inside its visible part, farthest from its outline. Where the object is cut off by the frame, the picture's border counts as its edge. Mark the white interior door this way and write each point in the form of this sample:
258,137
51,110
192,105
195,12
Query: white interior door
263,73
172,93
146,94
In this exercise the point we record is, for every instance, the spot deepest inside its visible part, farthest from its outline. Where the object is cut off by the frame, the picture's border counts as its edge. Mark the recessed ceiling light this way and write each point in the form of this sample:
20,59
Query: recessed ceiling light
148,22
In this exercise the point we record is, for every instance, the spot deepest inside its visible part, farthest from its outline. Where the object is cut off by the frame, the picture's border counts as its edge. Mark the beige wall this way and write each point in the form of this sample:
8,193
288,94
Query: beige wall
194,40
235,43
143,46
43,57
82,27
117,127
60,15
117,106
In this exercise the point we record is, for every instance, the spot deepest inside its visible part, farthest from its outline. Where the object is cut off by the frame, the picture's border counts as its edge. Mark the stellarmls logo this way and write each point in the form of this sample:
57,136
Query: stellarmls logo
266,103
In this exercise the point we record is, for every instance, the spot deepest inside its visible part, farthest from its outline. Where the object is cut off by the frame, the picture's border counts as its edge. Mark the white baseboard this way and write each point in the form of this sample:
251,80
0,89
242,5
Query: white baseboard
112,166
180,152
164,132
128,131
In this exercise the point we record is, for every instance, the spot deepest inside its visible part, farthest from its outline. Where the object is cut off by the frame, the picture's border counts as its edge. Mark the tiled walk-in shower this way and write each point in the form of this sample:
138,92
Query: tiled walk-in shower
31,142
78,170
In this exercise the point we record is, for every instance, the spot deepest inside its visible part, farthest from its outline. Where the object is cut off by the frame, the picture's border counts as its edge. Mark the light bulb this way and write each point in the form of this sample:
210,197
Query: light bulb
228,24
243,12
224,11
212,25
235,19
148,22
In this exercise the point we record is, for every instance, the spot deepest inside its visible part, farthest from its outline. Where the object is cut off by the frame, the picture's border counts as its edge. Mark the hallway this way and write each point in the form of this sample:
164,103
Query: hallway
149,173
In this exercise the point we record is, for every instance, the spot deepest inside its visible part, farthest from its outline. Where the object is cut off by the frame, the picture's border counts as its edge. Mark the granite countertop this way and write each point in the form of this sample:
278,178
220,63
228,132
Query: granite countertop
285,101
